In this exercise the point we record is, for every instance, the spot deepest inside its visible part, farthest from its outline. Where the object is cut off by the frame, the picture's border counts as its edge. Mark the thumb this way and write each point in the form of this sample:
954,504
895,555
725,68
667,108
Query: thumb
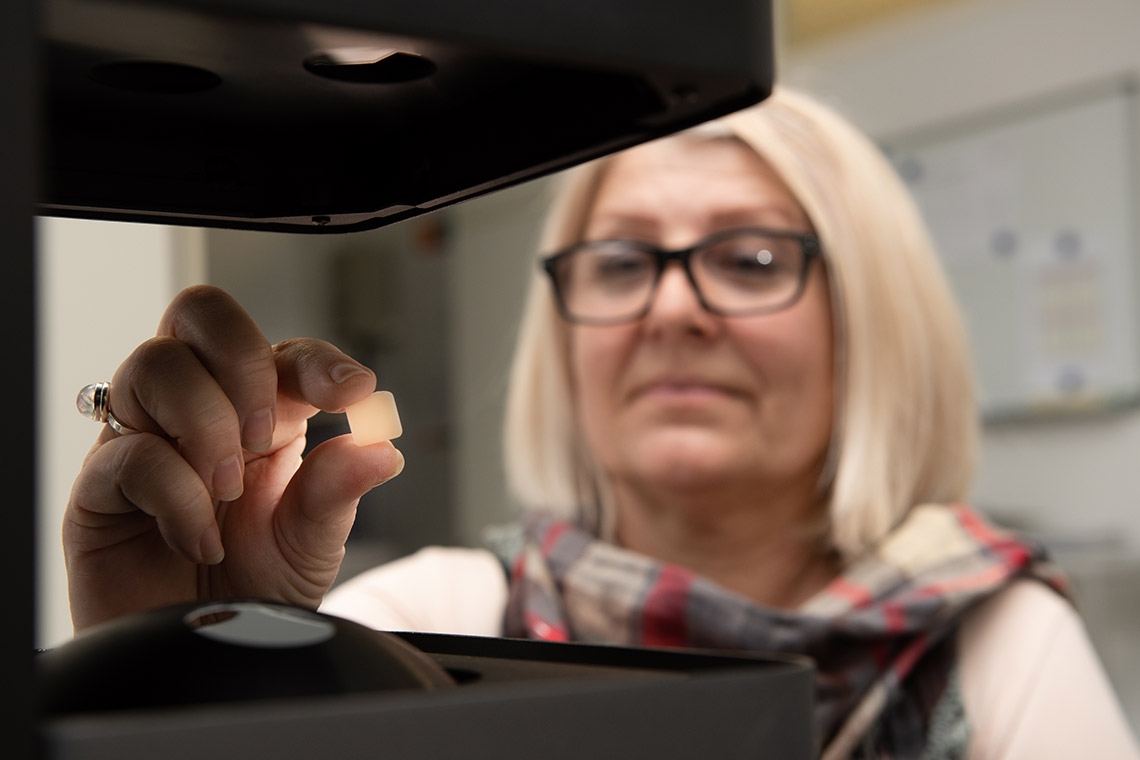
318,507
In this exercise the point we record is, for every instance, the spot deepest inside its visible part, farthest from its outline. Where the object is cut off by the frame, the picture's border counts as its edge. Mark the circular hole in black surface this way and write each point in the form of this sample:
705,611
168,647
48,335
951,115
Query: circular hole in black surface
155,77
210,618
371,67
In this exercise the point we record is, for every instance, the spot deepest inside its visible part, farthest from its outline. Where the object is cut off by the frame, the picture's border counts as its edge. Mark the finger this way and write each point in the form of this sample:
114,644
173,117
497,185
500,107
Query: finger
134,484
317,510
314,374
234,351
163,388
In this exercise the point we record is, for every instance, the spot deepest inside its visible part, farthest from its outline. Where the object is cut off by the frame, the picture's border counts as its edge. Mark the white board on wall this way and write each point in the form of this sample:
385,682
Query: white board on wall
1033,211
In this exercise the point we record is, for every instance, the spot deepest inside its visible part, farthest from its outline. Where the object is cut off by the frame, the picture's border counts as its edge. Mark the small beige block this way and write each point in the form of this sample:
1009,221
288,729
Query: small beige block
374,419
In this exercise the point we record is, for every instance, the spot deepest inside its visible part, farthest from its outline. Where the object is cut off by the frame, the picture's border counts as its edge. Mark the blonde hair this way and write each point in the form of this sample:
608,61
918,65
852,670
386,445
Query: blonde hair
905,425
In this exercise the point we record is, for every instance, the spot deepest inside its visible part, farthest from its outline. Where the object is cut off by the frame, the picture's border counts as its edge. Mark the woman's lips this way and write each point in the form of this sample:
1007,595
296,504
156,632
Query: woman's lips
683,391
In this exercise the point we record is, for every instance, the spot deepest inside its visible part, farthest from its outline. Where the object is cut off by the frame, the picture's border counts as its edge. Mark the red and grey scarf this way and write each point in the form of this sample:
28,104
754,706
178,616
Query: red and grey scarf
881,634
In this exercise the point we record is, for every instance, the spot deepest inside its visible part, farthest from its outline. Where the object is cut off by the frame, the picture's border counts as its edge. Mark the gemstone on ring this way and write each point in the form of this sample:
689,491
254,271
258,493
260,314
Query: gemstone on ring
93,401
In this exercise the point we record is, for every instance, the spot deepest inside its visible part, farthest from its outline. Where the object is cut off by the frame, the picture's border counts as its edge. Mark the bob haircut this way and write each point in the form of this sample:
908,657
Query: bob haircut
905,426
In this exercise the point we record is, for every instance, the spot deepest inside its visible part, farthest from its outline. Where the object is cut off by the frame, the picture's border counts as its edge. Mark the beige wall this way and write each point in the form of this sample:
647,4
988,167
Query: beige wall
492,249
101,290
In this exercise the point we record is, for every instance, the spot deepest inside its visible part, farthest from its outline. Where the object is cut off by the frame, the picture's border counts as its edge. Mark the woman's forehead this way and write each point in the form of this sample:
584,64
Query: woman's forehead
719,181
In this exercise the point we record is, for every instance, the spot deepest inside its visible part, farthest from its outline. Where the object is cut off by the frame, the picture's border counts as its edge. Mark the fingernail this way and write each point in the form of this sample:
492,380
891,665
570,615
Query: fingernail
257,433
210,546
227,479
342,372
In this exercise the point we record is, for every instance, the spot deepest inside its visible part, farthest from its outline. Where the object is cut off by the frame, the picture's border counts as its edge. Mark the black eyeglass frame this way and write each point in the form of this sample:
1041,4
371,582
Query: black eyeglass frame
809,245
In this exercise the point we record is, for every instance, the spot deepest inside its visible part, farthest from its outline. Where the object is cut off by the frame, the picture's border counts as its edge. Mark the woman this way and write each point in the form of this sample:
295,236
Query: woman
742,412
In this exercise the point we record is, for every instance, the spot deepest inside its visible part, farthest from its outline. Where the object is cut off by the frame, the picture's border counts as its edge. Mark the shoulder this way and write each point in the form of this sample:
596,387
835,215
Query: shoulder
1032,684
436,589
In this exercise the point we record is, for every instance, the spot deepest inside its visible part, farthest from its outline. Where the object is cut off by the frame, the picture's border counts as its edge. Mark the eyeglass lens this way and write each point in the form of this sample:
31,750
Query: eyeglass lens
738,274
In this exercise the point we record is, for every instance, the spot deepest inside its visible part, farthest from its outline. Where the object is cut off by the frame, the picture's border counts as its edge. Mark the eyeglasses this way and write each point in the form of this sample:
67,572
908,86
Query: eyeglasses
733,273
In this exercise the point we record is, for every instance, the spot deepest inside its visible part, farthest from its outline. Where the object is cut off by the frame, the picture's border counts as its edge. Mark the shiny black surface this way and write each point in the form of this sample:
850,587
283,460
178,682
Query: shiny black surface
348,115
237,651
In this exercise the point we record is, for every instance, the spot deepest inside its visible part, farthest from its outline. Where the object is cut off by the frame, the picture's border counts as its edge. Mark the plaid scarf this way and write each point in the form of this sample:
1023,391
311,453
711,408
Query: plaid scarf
880,634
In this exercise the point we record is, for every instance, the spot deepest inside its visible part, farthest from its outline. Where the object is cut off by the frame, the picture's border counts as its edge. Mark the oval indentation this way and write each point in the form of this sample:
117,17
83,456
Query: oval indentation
251,624
370,66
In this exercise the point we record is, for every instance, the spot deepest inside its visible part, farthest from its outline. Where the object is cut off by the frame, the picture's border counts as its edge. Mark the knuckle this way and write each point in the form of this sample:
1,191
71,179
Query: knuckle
150,467
208,317
159,356
304,350
112,466
218,420
197,298
146,471
256,370
133,456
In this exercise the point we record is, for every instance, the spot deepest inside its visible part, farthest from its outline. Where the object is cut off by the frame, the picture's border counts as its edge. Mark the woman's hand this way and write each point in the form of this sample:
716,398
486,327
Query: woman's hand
210,499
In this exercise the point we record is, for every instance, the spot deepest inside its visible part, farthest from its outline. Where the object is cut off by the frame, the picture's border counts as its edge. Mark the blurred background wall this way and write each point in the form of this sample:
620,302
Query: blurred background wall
431,304
1072,479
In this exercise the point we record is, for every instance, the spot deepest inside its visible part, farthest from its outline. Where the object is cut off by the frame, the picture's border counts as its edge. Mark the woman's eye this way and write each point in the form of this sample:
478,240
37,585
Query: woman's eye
746,259
614,263
753,258
618,265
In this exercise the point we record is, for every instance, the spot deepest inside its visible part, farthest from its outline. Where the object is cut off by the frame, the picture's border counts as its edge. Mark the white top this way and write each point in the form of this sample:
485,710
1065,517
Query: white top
1032,685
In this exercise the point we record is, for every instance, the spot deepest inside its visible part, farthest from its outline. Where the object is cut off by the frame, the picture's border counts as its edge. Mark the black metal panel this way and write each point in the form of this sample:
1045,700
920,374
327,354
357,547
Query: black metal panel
524,699
18,315
346,115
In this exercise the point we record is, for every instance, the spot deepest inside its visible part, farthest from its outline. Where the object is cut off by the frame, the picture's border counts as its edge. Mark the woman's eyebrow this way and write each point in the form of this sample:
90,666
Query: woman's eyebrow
647,227
622,225
776,214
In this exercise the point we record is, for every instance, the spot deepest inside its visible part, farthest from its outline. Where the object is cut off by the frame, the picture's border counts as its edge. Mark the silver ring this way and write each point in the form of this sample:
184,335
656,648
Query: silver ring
94,403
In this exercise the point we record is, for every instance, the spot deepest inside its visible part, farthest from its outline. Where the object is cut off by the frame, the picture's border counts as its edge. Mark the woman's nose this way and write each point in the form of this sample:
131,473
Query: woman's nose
675,299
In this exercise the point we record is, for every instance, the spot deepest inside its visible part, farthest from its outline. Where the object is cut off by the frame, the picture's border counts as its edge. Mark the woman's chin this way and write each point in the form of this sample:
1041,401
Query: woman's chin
691,459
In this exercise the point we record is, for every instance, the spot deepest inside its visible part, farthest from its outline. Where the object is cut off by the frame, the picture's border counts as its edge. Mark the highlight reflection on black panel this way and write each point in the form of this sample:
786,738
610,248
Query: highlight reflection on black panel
370,66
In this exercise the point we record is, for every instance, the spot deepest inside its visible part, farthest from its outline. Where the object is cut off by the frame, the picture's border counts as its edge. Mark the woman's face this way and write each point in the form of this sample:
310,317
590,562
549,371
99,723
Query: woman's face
683,399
